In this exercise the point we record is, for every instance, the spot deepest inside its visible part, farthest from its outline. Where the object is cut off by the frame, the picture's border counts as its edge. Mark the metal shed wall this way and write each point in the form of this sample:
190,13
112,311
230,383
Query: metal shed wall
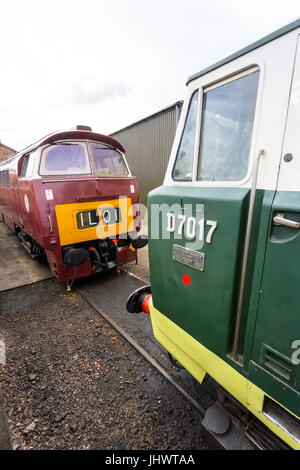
148,145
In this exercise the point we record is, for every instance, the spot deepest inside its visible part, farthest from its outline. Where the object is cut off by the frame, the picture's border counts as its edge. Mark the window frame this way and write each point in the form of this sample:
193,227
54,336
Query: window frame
207,89
83,143
31,159
24,165
204,84
99,175
4,178
199,98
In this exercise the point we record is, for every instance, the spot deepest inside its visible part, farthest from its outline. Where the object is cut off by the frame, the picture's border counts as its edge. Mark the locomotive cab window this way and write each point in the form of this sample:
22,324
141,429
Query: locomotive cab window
24,165
226,129
183,168
107,160
4,179
65,159
28,164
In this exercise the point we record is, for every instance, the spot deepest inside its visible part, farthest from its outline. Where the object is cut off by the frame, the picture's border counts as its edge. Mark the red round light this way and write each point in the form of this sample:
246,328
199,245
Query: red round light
186,279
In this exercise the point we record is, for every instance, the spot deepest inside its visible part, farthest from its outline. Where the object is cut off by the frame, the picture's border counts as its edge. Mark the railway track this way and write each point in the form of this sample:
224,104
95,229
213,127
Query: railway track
84,372
107,299
214,440
239,436
151,359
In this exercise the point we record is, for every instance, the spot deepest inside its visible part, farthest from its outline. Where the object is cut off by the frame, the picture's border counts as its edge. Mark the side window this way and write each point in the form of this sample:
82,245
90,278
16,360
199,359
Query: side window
183,168
28,164
24,166
226,129
4,179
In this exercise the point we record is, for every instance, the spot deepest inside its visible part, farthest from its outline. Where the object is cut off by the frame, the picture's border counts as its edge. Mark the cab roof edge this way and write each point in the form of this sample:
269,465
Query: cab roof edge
260,42
72,134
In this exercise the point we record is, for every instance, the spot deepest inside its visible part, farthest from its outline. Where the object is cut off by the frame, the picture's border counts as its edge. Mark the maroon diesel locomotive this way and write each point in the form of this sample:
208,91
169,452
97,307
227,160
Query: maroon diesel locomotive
71,197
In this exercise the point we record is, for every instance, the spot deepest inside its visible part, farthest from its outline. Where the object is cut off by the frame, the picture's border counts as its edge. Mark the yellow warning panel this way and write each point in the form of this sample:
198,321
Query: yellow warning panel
81,222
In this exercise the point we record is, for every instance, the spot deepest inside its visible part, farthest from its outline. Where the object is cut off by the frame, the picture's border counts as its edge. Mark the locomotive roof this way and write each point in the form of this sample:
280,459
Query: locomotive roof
276,34
72,134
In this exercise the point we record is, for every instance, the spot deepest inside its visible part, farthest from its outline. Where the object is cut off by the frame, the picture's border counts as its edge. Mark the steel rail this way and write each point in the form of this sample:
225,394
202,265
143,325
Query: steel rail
163,371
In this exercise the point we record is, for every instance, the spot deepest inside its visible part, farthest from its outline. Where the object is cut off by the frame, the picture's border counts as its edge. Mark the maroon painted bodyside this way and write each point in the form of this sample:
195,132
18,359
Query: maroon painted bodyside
38,219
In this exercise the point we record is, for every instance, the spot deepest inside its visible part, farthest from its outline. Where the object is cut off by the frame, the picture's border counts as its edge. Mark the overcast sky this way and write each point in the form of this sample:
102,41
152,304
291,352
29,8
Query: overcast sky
108,63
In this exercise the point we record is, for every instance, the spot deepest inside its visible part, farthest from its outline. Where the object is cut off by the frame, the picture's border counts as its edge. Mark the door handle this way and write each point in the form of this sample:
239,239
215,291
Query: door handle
280,220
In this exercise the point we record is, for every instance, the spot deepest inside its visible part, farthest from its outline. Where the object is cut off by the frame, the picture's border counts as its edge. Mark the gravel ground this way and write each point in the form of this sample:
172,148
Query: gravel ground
71,382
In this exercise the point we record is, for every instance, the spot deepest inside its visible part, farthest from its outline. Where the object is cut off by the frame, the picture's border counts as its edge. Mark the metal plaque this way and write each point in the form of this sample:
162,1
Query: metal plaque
191,258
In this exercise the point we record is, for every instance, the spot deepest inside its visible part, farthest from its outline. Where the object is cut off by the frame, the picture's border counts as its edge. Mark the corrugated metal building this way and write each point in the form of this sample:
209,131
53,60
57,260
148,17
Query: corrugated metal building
148,145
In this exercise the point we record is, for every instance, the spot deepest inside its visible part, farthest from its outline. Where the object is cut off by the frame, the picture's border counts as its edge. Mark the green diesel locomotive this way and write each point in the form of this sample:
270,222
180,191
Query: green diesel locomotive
224,235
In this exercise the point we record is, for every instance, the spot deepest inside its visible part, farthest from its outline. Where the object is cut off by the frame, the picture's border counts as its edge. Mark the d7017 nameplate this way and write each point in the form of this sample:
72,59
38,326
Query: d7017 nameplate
189,257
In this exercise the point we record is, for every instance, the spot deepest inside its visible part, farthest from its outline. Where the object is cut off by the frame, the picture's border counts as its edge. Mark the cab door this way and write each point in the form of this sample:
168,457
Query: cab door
276,352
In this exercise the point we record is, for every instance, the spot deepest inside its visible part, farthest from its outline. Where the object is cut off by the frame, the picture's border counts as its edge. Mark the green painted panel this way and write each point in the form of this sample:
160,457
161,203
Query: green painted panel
260,229
273,387
205,308
278,319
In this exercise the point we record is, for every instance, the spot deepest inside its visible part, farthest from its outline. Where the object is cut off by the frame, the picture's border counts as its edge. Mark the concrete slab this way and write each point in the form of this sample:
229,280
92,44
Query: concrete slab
17,268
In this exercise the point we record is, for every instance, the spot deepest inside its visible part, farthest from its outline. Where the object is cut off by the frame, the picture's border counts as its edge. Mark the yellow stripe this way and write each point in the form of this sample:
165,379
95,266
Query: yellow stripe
199,361
70,233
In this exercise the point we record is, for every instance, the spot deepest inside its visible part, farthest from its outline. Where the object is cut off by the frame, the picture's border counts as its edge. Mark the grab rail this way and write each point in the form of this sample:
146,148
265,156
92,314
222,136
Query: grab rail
245,255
